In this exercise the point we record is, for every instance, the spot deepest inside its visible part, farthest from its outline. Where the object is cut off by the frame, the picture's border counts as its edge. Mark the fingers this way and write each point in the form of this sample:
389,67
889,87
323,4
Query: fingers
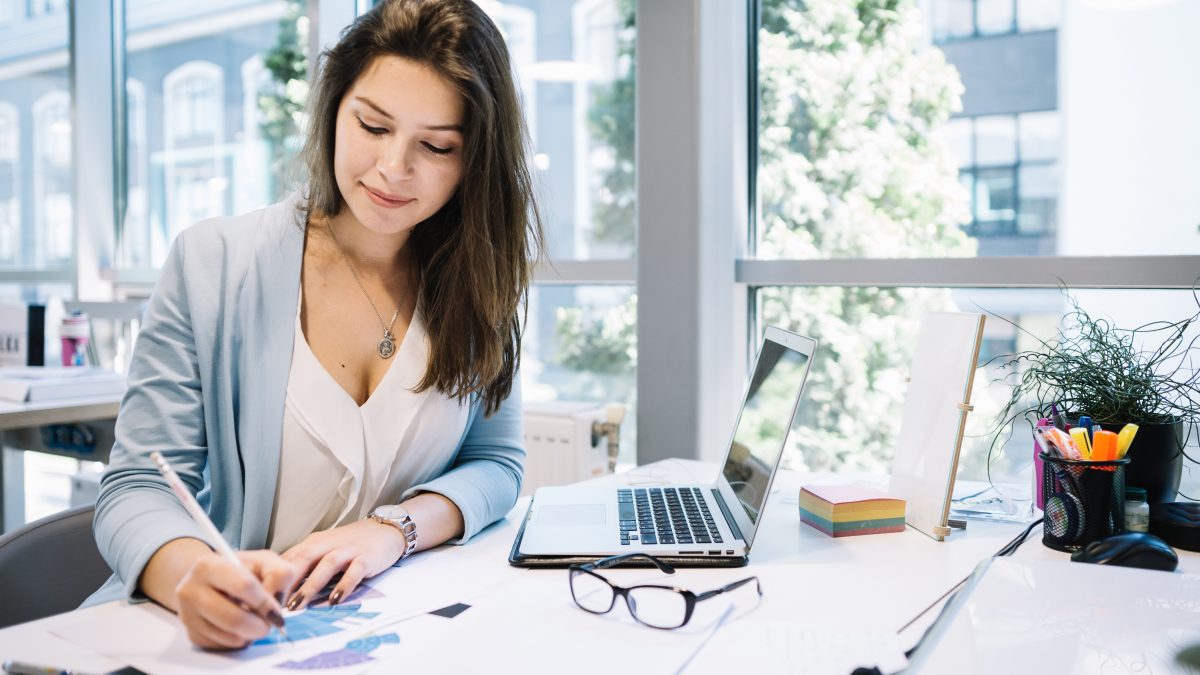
333,562
351,578
216,598
278,576
206,635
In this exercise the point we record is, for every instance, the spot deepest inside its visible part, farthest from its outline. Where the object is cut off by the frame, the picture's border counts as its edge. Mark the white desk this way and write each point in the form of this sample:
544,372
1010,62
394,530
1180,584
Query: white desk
526,621
18,426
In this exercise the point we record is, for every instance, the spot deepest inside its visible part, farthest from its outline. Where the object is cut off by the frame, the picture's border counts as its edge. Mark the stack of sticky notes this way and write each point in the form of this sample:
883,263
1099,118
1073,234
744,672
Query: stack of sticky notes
846,510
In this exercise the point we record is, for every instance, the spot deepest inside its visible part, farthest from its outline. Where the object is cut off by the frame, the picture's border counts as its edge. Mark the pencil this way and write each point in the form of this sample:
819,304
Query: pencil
273,616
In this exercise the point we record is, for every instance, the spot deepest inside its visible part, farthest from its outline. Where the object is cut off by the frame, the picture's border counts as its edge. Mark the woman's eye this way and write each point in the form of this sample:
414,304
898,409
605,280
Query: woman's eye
436,150
374,131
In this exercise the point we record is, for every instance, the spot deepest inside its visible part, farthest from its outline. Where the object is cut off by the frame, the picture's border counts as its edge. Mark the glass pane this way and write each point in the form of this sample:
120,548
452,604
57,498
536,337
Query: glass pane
581,345
1038,212
854,398
958,134
36,182
952,18
576,64
995,140
1040,136
843,164
994,16
213,101
1038,14
847,163
995,201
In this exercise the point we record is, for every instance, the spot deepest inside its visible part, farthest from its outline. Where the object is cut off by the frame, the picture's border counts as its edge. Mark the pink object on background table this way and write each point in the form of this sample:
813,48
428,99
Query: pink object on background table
74,332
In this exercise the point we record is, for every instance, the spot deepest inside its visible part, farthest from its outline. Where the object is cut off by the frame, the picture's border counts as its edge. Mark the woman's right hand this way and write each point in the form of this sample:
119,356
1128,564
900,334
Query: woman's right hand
222,605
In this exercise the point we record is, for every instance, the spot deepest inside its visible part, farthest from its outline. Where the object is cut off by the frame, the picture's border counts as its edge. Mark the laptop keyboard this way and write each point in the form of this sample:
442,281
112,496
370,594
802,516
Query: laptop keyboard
666,516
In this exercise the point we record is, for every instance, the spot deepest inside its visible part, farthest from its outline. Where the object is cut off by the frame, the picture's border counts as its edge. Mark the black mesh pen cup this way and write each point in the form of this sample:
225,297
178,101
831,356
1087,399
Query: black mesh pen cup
1085,501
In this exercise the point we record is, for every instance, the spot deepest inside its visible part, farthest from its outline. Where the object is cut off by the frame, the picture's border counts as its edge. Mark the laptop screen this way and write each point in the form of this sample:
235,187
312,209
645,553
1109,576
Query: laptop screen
763,425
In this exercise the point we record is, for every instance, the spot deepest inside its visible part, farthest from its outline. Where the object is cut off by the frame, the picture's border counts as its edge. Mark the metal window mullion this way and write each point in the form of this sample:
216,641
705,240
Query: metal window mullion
93,145
1101,272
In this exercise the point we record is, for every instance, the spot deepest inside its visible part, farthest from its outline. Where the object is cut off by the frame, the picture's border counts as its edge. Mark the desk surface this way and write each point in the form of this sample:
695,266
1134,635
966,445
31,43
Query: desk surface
63,411
882,579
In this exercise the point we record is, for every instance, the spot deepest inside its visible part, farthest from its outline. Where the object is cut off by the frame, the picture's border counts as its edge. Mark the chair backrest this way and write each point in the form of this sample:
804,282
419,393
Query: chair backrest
49,566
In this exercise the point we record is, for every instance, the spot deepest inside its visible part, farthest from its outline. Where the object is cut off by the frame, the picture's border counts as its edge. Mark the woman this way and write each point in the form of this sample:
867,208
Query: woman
334,376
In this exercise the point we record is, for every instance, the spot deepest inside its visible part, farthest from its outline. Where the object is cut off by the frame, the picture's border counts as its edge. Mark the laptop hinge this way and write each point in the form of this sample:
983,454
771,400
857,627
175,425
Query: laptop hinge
728,516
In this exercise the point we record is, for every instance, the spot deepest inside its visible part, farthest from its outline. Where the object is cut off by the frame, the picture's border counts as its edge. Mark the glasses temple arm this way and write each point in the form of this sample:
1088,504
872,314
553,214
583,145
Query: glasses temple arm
730,587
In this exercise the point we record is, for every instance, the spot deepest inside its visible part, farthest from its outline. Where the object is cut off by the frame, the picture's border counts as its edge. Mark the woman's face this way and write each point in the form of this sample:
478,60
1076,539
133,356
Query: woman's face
398,151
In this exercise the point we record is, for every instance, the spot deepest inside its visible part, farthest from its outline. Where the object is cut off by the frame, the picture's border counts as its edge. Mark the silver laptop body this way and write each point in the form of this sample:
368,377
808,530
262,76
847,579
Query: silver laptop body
693,521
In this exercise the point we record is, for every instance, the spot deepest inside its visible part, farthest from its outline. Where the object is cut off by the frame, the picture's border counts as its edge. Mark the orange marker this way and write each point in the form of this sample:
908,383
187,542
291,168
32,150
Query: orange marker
1104,446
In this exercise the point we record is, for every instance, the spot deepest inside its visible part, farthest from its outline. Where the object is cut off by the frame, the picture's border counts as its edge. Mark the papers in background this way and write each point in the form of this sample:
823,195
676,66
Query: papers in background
34,383
1005,502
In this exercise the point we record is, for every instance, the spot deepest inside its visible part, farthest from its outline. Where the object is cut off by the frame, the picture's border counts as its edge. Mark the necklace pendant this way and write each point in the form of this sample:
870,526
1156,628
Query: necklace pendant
387,346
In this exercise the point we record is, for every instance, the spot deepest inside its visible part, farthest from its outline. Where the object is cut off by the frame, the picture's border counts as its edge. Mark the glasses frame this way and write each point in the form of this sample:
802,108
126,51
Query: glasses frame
689,598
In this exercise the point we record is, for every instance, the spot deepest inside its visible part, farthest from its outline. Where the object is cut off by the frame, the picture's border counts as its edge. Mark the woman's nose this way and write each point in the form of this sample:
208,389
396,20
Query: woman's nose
396,163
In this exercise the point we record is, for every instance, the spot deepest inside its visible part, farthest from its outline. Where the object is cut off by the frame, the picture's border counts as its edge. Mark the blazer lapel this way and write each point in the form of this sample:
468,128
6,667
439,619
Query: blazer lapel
267,322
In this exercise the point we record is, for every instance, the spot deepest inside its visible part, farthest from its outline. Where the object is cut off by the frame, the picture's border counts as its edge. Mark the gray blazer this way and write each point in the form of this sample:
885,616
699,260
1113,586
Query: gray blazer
206,389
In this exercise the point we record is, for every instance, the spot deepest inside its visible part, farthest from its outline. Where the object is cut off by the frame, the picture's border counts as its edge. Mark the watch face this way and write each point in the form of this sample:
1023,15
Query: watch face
391,512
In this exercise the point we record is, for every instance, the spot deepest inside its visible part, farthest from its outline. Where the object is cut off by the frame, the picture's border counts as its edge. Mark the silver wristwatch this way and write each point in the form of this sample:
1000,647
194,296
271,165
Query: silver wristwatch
397,516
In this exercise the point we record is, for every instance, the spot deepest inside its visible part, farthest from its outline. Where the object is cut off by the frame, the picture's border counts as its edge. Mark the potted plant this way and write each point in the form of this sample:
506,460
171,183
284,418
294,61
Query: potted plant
1144,375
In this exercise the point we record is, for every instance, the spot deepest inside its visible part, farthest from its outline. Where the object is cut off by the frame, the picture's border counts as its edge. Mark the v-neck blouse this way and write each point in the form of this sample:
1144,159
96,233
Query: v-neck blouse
339,460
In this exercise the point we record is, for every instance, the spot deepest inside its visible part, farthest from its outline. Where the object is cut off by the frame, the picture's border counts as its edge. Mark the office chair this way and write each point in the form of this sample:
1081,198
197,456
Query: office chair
49,566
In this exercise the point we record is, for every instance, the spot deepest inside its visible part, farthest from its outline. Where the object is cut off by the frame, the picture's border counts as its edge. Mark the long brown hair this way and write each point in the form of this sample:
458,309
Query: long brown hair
476,255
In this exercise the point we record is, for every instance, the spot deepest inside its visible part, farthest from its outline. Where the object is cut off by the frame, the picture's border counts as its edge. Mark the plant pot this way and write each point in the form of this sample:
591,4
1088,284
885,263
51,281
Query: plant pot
1156,460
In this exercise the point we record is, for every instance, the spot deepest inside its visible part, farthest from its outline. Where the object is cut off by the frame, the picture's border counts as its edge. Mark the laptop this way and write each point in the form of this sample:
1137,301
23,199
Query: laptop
694,525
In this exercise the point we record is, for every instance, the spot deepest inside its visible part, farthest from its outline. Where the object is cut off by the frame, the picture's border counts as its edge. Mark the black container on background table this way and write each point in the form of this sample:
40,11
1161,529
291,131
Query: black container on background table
1156,460
1084,501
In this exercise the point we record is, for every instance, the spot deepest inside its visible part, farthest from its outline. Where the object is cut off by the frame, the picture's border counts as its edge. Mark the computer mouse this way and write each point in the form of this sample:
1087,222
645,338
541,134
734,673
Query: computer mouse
1130,549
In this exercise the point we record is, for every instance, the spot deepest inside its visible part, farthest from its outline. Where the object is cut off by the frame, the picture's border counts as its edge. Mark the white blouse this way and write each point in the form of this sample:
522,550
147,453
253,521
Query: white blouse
340,460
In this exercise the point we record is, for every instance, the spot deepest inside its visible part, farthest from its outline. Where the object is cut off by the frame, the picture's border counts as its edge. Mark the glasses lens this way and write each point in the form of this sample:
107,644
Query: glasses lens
658,607
591,592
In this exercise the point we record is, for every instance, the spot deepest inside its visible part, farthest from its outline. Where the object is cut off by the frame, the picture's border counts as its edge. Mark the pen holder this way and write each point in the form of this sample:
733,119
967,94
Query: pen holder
1084,501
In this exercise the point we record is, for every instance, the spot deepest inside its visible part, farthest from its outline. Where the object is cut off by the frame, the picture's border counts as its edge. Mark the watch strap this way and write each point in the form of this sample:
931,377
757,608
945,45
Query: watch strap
406,526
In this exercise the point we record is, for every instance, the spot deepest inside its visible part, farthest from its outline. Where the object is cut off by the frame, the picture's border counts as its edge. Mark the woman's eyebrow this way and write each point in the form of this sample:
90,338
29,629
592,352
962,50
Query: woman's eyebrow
371,103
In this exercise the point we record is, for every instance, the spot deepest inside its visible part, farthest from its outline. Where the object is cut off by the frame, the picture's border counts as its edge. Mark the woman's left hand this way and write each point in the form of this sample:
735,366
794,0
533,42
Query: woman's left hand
358,551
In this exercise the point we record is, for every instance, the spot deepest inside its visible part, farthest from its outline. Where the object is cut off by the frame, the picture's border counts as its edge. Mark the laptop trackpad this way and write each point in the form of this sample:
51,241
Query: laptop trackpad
570,515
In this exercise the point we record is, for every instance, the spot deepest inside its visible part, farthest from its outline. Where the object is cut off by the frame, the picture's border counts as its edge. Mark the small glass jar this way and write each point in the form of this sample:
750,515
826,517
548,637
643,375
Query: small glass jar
1137,511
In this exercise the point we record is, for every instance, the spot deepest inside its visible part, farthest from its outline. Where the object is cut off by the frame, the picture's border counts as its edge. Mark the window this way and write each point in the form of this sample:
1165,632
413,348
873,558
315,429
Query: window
575,67
52,177
862,165
955,19
1009,164
10,186
212,130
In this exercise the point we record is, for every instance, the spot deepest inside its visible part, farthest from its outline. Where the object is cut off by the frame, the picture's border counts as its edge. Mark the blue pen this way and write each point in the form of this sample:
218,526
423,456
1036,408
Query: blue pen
1086,423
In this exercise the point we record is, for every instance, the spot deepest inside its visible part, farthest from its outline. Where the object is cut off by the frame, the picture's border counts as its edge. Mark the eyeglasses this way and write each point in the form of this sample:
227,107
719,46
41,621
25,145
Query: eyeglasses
651,605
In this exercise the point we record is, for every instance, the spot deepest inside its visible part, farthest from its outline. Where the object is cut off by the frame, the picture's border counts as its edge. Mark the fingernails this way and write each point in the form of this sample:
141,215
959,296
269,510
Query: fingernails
336,597
295,601
279,598
275,619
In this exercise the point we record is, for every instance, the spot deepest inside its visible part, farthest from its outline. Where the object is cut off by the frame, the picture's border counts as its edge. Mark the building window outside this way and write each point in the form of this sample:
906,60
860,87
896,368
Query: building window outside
1009,164
206,82
959,19
52,179
10,186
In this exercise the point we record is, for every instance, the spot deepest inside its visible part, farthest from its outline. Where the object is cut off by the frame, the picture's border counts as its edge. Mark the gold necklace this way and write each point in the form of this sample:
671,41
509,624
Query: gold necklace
387,344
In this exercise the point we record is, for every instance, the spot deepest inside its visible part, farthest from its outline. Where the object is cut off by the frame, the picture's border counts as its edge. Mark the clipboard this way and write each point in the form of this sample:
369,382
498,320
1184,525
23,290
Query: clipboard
935,418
